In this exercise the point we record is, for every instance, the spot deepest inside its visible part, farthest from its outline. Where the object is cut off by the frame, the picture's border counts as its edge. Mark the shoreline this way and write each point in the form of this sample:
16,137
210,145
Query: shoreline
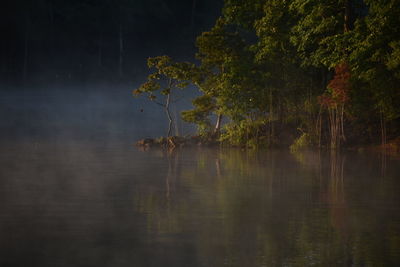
392,147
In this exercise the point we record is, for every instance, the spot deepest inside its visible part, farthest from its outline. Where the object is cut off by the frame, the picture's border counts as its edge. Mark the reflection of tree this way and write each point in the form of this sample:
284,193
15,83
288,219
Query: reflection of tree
383,163
253,208
336,196
357,231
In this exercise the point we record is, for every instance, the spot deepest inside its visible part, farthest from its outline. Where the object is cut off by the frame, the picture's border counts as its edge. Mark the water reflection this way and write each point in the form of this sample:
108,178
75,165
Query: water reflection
237,208
91,204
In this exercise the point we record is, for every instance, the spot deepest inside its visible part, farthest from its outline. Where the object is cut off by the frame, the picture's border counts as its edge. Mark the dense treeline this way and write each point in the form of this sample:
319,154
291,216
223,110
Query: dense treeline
94,39
306,73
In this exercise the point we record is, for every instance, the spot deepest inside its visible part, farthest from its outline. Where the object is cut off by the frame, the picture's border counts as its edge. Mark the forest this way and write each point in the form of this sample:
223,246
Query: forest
298,73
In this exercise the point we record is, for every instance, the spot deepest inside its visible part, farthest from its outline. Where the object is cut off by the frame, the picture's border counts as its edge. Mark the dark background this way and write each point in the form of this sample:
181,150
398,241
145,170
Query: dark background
44,41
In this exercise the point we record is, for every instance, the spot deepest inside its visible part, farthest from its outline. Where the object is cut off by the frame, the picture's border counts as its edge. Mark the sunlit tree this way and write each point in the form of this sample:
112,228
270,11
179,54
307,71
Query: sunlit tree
167,77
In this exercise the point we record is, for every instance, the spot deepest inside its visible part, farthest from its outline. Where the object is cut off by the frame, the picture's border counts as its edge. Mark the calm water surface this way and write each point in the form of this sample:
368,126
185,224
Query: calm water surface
108,204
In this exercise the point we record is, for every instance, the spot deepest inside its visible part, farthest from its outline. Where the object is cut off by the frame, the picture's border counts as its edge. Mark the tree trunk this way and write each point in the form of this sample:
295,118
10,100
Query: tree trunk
331,128
383,130
170,120
334,127
218,124
318,126
347,14
342,123
271,123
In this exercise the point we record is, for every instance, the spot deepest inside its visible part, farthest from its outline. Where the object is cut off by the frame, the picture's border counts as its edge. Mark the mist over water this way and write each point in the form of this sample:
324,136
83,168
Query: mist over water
95,112
74,113
74,191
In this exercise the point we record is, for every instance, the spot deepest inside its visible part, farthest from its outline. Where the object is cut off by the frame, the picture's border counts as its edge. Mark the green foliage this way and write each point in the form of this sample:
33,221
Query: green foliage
273,30
303,142
204,105
167,75
242,13
218,48
393,61
375,63
220,76
264,65
246,133
319,34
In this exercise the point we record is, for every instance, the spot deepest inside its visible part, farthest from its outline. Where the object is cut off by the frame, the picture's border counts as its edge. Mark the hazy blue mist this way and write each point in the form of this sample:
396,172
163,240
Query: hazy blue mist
81,113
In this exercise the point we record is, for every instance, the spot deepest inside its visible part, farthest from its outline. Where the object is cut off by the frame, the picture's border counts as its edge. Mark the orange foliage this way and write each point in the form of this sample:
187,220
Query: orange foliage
339,87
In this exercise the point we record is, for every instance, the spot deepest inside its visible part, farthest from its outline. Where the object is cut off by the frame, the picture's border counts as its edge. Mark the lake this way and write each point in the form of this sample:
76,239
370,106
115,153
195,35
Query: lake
99,204
74,191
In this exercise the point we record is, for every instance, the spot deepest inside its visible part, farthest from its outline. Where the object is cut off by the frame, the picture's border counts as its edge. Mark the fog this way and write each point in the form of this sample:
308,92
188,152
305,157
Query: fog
82,113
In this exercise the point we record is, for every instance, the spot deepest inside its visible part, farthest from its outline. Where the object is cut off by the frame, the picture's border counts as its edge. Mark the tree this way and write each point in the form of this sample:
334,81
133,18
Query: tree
376,63
275,55
203,107
167,76
219,51
321,34
334,101
264,64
